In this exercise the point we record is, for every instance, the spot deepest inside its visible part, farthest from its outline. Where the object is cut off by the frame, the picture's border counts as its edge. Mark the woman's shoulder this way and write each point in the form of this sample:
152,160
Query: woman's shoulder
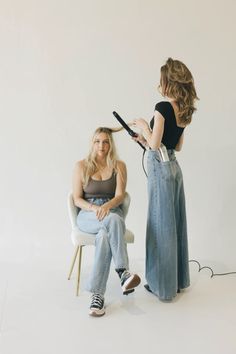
162,105
121,163
121,166
80,164
164,108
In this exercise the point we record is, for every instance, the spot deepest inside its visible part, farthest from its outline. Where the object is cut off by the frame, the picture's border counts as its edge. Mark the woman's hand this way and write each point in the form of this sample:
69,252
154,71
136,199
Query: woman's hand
141,123
101,211
140,138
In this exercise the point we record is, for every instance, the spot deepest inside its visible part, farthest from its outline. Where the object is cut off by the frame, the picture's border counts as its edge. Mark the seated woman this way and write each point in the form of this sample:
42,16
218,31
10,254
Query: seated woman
99,184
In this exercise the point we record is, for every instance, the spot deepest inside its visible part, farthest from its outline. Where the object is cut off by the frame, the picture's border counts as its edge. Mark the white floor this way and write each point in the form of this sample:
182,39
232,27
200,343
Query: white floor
40,314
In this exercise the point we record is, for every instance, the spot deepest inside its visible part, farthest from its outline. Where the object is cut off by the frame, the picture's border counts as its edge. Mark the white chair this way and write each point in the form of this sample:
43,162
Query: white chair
81,239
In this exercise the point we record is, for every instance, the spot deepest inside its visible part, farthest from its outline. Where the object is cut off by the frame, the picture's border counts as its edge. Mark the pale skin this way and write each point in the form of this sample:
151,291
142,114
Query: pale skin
101,148
153,138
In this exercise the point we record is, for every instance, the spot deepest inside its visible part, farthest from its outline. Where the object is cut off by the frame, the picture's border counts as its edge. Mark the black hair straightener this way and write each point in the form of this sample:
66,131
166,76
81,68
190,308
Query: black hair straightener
127,128
162,149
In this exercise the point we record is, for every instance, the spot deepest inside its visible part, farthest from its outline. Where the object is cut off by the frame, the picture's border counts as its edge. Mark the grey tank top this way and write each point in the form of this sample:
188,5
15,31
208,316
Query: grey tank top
101,189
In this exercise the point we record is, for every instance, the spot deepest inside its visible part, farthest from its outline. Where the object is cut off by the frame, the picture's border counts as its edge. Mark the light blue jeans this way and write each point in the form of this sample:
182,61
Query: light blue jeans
167,267
109,243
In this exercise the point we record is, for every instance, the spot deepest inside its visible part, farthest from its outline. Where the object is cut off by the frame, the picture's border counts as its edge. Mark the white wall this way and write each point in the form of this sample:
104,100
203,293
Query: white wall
64,67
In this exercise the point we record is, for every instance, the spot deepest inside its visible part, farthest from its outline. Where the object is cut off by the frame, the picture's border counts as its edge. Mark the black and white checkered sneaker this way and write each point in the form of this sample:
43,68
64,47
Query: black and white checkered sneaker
129,282
97,305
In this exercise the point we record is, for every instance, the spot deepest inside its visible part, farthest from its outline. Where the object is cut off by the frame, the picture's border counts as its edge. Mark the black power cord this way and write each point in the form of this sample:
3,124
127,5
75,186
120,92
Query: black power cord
207,267
143,163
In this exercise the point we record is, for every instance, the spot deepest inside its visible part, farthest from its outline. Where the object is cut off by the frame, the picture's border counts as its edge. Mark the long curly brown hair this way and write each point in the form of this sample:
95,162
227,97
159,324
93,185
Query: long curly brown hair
177,82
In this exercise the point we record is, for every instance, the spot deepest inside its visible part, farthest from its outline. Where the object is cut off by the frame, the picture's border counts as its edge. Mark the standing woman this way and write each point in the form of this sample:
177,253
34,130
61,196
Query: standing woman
99,184
167,267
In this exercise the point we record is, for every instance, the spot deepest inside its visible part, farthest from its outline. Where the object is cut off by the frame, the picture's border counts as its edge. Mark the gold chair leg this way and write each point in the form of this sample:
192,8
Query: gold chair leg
79,267
73,262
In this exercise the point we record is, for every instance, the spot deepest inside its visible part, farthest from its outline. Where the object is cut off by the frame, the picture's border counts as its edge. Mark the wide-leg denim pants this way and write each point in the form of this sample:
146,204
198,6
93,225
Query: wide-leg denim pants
109,244
167,267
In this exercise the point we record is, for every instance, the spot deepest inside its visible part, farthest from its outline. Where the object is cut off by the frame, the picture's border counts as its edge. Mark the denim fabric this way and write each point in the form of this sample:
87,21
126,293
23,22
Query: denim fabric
109,243
167,267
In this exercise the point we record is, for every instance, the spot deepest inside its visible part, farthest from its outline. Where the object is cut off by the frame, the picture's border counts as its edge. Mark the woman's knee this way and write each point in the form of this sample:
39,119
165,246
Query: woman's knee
87,222
114,219
102,237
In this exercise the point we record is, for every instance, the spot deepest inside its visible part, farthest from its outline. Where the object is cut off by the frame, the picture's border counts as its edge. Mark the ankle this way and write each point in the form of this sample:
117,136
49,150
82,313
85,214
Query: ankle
120,271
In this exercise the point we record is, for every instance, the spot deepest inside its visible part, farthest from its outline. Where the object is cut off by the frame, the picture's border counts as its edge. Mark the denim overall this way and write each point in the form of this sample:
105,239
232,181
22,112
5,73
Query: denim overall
167,267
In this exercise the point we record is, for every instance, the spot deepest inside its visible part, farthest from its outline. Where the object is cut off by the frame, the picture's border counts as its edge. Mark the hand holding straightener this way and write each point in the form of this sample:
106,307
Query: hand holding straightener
134,135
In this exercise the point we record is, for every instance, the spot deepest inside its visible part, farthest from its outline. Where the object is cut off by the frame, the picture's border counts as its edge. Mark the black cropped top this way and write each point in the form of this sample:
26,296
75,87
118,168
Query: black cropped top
171,132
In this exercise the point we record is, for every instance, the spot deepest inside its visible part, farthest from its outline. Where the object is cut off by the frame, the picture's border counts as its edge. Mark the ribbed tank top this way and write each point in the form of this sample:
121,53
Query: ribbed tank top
101,189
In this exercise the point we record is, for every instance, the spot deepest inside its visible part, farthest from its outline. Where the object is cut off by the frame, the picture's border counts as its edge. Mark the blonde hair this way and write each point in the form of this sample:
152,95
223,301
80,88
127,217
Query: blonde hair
177,83
91,165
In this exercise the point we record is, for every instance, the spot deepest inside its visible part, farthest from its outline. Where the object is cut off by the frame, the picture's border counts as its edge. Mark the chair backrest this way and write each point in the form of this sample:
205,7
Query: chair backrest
125,204
73,210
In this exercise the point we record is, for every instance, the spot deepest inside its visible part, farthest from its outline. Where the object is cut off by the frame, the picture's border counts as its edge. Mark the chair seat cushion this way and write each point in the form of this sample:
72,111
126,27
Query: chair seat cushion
80,238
